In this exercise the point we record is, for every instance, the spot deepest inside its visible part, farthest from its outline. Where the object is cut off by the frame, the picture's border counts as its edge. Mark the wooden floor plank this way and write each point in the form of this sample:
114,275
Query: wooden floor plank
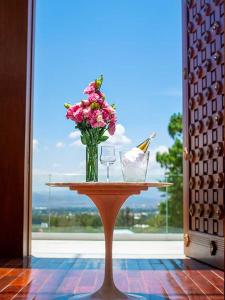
191,289
53,281
36,283
152,284
121,280
47,279
206,286
219,273
4,272
216,281
70,283
28,297
170,285
10,277
217,297
22,282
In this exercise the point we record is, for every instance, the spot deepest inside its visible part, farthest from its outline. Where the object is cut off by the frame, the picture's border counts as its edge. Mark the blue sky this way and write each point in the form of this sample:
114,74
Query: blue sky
135,44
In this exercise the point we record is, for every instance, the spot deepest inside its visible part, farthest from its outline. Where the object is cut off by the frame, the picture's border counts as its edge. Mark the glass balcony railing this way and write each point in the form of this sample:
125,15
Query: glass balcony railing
57,210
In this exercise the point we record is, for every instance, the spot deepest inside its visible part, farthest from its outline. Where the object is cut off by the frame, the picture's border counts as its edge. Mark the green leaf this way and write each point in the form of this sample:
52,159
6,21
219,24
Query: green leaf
103,138
95,105
83,140
67,105
175,126
101,131
99,81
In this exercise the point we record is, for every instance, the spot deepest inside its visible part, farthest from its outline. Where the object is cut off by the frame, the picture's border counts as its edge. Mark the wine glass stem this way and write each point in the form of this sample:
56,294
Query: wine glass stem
107,172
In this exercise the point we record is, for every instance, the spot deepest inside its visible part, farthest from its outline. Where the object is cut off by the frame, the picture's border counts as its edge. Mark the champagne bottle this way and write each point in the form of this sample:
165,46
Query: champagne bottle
144,145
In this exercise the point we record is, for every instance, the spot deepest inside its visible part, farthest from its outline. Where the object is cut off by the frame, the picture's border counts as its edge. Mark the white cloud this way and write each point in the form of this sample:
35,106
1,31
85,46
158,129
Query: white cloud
76,143
155,169
119,138
153,152
60,145
74,134
35,144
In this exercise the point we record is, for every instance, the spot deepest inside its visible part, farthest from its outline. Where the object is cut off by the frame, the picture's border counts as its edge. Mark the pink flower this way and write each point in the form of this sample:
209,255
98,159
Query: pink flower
78,115
100,101
102,95
112,128
85,102
105,114
98,124
90,88
86,112
97,97
95,119
93,97
105,104
100,121
109,108
94,110
92,116
113,118
71,110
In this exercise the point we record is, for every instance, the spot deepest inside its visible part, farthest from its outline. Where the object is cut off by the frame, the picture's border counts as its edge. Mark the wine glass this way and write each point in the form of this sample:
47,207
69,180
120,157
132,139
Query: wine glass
107,157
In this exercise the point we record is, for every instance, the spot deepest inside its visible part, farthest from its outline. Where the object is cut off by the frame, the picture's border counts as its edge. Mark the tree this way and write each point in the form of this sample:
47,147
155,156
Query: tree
172,162
125,218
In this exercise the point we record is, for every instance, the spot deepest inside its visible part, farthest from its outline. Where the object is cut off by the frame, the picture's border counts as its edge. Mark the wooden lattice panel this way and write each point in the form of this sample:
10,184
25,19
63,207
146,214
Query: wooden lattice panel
204,81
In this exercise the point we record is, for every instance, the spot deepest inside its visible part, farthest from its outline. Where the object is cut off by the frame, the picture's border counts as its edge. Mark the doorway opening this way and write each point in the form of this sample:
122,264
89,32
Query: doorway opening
139,54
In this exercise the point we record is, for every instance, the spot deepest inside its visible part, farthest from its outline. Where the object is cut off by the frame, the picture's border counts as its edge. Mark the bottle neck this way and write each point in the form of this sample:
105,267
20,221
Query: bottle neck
144,145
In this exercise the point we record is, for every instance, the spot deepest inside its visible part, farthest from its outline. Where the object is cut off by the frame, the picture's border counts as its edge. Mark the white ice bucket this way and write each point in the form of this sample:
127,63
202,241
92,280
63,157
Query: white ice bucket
134,167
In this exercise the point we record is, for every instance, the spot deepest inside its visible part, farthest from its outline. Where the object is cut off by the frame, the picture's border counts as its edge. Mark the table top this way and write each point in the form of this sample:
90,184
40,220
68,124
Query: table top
106,185
109,188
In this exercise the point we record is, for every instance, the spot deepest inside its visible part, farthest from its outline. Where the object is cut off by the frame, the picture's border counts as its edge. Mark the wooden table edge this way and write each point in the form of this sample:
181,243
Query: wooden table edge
110,184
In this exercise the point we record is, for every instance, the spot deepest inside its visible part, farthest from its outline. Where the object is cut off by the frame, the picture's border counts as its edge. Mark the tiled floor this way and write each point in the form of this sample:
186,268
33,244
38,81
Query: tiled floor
157,279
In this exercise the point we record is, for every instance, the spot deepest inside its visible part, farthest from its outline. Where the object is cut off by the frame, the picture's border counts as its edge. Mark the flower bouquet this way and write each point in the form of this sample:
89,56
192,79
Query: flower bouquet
94,117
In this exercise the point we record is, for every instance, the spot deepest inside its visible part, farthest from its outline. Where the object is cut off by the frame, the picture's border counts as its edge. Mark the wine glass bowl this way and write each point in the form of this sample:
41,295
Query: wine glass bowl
107,157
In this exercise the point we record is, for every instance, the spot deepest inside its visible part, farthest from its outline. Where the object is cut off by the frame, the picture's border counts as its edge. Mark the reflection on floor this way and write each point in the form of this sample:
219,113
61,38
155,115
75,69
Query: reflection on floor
60,278
95,249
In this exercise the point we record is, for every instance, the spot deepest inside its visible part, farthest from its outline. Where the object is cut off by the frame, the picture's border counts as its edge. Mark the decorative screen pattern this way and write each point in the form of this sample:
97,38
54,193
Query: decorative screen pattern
205,75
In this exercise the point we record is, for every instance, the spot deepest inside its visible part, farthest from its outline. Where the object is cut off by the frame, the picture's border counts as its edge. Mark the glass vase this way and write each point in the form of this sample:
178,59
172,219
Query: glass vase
92,162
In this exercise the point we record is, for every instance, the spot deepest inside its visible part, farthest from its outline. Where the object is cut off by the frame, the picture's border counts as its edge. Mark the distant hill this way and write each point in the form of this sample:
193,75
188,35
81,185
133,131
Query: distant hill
66,199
